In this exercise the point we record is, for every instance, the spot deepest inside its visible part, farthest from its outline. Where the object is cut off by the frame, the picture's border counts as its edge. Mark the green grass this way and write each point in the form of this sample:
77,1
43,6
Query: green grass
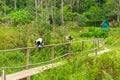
82,67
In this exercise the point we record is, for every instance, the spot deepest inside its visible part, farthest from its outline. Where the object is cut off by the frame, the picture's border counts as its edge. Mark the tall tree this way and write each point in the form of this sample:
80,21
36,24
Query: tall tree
114,5
4,8
46,6
62,17
117,10
36,10
54,11
41,5
15,4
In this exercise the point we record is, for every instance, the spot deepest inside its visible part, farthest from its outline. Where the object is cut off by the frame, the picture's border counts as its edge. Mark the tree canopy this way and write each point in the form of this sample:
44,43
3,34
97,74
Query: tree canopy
59,12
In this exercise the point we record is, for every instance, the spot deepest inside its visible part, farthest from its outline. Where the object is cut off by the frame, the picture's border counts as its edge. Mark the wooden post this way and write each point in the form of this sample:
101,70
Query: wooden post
98,44
69,47
52,55
93,44
69,50
27,58
103,45
95,55
96,51
82,46
3,77
27,61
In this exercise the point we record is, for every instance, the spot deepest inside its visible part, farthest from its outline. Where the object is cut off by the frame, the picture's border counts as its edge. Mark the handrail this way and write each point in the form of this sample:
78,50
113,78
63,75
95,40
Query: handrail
49,45
52,53
48,60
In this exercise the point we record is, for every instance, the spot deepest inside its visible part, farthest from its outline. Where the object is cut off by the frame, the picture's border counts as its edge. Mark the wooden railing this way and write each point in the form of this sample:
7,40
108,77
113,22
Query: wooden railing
52,51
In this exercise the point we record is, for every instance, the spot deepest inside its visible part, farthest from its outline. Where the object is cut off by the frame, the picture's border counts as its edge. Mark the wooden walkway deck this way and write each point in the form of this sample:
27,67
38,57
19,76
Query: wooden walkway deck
32,71
100,52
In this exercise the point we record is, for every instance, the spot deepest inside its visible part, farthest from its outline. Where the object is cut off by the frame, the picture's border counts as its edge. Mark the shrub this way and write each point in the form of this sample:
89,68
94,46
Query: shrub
19,17
97,33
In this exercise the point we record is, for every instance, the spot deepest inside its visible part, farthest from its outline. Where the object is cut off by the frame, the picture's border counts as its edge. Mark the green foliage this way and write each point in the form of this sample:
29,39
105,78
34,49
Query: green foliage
9,38
19,17
78,67
95,13
97,33
68,15
0,15
44,11
82,67
74,16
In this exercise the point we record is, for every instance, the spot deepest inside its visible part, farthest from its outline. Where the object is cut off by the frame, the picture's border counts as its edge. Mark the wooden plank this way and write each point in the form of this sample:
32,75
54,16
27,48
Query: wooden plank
32,71
100,52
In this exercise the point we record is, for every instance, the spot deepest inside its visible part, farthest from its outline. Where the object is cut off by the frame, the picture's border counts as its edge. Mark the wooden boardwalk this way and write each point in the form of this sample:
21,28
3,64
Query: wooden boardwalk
32,71
100,52
36,70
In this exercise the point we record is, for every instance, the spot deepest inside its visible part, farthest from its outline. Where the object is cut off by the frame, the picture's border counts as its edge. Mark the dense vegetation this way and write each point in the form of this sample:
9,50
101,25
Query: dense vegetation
60,12
82,67
23,21
78,66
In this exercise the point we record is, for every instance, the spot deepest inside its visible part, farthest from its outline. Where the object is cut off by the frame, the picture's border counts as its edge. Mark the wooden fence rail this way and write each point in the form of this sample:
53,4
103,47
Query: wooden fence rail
25,48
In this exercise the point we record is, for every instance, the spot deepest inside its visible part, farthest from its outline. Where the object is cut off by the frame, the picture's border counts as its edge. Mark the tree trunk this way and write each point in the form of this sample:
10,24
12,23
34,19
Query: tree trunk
41,3
15,4
52,12
78,5
118,20
47,13
62,16
4,9
118,17
73,2
36,12
71,7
